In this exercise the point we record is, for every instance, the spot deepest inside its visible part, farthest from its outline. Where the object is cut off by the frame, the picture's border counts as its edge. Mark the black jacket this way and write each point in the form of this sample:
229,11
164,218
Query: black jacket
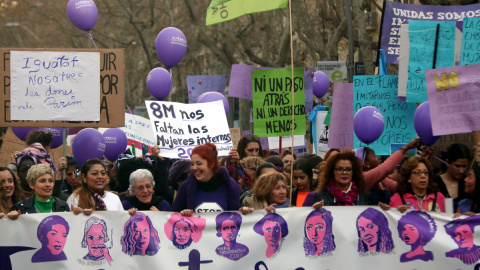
27,206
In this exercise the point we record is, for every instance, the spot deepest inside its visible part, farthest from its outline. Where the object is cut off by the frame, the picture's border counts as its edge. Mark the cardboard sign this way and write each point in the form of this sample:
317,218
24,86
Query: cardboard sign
178,127
236,135
454,95
111,96
272,102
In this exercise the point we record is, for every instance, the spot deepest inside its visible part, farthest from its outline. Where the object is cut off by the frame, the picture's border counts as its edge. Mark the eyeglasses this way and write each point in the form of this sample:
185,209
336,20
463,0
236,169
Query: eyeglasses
141,188
256,150
347,170
418,173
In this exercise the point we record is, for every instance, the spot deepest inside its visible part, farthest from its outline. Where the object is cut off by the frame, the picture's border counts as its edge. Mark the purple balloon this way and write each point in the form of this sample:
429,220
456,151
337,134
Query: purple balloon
57,135
159,83
82,13
423,124
214,96
171,46
321,84
88,144
368,124
116,143
22,132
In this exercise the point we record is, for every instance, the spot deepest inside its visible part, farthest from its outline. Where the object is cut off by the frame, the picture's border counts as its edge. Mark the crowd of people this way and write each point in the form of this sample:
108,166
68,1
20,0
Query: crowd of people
249,178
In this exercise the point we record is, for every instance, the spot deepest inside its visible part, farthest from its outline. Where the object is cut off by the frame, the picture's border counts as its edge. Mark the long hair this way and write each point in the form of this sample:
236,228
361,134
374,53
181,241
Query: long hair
404,186
129,245
328,170
193,228
244,141
476,193
83,192
264,186
208,151
385,242
17,192
328,243
305,166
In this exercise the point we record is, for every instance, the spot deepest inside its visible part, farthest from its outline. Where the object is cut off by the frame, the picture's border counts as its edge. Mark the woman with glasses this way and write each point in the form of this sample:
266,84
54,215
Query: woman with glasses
91,195
416,189
341,183
141,186
248,146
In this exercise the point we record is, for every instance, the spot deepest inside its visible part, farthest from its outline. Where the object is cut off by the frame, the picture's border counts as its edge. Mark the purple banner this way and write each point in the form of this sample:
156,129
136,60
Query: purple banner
308,79
341,121
454,95
199,84
241,81
397,14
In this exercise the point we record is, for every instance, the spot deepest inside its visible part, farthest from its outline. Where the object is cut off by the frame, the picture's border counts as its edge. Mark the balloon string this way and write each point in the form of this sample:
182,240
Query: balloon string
133,115
91,38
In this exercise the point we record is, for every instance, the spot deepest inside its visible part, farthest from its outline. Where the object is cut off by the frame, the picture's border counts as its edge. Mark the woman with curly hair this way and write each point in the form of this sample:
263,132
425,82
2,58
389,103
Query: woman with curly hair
269,192
416,189
140,237
341,183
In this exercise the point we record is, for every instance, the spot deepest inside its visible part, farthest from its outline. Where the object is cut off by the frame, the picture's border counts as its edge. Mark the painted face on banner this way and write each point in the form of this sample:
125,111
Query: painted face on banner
316,229
272,233
410,234
464,237
229,230
368,231
96,240
142,235
182,232
57,238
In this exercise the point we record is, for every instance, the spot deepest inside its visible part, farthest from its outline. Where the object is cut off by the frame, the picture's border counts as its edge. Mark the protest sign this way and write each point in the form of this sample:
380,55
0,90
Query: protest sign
380,91
308,79
335,70
321,134
55,85
240,85
274,142
254,241
178,127
236,135
397,14
454,95
272,102
199,84
470,42
232,9
423,39
403,61
112,91
341,123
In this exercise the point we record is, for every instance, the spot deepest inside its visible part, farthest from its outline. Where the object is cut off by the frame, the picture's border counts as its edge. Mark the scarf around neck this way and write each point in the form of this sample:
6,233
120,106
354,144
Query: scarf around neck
343,198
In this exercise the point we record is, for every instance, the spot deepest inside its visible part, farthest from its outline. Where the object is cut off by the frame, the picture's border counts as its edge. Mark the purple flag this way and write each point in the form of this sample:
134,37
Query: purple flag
199,84
241,81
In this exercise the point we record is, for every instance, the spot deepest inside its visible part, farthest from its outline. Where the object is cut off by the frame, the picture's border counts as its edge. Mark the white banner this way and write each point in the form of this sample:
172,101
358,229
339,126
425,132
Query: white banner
295,238
178,127
48,85
274,142
322,134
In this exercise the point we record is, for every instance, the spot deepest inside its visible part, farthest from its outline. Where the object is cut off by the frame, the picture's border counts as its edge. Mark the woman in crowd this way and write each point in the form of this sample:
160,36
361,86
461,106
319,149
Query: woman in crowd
269,193
275,160
250,165
40,179
303,181
72,180
143,199
248,146
341,183
10,193
415,189
450,183
209,187
288,157
471,204
91,195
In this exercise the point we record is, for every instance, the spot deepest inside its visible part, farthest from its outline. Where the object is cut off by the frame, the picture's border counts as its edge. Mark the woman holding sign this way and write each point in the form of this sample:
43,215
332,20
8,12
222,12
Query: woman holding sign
209,187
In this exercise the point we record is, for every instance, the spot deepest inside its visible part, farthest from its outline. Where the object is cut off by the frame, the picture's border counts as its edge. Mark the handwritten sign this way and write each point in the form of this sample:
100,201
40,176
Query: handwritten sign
235,8
454,95
380,92
55,85
178,127
199,84
397,14
422,36
341,120
470,42
272,102
112,91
